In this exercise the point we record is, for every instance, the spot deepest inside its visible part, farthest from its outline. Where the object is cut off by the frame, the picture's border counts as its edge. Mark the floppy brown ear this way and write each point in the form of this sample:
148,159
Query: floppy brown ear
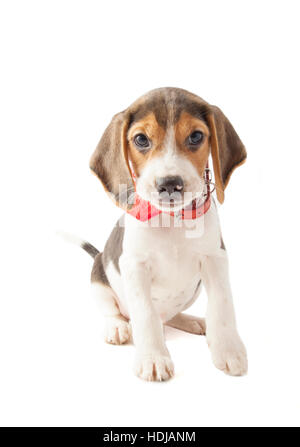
110,162
227,150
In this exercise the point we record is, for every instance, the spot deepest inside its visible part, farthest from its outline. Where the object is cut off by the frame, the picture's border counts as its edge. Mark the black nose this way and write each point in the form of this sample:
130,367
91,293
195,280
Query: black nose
169,184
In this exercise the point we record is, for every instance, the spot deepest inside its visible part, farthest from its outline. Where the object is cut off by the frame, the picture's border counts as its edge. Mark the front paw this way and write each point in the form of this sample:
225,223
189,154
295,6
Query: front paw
228,352
153,367
117,330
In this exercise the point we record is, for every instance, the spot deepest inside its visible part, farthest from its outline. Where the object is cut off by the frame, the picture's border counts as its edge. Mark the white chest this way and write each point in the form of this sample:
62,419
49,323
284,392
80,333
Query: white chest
175,276
173,262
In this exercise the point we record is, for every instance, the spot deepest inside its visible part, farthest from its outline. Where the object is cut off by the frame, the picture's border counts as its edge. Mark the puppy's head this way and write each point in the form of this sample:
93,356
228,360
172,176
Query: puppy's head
165,139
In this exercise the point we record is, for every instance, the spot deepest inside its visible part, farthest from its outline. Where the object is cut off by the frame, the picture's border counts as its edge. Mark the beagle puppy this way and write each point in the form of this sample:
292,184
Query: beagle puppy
153,161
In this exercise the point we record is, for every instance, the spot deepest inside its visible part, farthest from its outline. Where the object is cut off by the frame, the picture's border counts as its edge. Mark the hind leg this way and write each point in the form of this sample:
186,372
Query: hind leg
117,327
188,323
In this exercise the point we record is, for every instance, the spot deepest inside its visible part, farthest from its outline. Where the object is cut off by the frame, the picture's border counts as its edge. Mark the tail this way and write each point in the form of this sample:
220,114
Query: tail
89,248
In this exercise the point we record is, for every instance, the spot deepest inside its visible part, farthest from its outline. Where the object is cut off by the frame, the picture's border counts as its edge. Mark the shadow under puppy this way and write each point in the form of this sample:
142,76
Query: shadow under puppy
152,159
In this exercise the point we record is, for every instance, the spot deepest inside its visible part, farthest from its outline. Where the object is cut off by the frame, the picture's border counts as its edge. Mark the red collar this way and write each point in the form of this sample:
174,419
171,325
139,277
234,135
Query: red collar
144,211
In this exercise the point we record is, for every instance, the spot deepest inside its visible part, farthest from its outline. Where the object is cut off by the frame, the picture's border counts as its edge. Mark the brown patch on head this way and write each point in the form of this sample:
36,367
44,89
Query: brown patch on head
154,102
155,133
167,104
186,125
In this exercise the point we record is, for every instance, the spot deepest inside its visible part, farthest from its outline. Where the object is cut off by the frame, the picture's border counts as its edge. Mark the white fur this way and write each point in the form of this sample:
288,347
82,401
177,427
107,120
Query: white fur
108,300
160,269
117,328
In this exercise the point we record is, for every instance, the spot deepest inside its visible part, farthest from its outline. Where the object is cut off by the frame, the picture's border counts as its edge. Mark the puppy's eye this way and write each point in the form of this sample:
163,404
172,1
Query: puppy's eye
142,141
195,138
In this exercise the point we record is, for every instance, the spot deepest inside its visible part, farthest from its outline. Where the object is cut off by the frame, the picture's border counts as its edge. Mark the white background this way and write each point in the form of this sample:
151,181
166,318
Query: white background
66,68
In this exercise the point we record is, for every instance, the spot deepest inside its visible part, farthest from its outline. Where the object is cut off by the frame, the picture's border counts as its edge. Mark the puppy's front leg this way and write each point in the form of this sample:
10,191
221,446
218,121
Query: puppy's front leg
153,360
227,349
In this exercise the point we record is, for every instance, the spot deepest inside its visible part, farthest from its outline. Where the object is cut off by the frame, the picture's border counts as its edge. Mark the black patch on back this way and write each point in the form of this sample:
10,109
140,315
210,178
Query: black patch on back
114,245
98,273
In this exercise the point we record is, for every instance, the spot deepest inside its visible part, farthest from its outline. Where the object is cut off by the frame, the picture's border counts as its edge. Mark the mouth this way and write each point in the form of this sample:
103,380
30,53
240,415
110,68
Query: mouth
170,200
168,206
175,203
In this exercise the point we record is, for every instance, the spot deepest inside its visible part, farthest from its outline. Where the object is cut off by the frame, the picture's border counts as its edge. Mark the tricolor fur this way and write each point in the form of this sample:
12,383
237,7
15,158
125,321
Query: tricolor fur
150,272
